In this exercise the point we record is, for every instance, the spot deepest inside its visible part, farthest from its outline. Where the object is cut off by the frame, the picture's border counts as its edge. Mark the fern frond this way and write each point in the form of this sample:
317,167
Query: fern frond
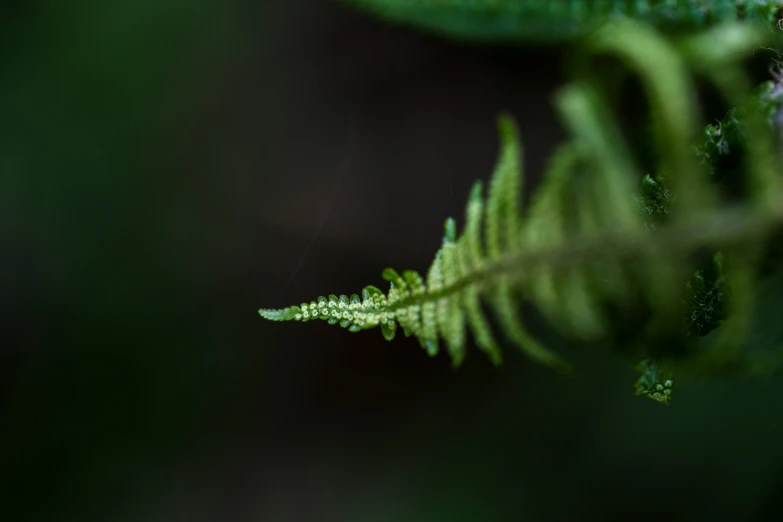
460,273
582,252
450,299
706,297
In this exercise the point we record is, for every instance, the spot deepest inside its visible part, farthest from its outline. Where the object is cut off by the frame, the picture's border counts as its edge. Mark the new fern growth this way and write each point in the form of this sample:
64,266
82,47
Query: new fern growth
449,299
602,243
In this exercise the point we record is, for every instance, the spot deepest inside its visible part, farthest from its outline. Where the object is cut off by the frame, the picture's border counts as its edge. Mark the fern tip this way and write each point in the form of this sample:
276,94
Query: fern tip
506,122
476,192
431,347
449,231
283,314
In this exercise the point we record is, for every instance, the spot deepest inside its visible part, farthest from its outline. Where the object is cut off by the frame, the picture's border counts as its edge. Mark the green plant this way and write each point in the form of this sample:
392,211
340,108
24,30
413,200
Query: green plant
553,21
596,257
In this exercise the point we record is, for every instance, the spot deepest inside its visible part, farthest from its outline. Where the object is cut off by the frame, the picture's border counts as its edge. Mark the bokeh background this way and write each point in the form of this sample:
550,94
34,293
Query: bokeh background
167,167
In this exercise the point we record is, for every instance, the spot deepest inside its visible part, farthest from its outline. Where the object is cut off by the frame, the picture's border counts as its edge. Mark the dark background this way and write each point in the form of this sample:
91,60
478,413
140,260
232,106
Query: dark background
167,167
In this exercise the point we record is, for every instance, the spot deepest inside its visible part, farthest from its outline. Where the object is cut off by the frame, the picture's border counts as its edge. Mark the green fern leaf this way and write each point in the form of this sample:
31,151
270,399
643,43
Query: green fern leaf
451,298
553,21
471,259
582,251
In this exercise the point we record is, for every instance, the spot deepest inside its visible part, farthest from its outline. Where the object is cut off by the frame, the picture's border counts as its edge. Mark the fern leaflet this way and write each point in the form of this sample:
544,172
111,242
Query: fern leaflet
450,298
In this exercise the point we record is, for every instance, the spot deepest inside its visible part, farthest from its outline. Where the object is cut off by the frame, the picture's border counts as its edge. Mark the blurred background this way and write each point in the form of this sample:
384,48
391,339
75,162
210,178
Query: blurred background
168,167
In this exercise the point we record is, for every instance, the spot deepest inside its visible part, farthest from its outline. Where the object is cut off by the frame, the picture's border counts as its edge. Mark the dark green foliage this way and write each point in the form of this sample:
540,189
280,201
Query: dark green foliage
721,151
654,199
724,141
654,382
548,21
706,297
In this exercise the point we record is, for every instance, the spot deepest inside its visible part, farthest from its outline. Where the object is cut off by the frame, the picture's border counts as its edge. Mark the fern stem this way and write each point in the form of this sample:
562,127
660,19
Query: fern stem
728,226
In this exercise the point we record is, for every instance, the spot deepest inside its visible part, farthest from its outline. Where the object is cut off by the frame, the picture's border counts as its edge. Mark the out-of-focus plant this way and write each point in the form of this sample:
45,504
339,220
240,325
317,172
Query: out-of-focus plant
682,262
